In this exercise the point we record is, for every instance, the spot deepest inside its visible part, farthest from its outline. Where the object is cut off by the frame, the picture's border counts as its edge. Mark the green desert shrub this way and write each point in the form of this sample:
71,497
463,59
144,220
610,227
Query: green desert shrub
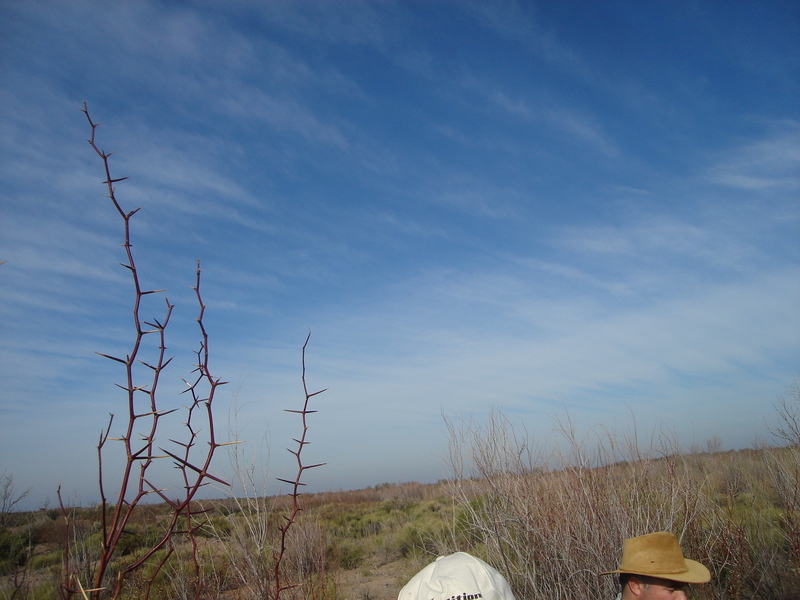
43,561
13,550
350,554
44,591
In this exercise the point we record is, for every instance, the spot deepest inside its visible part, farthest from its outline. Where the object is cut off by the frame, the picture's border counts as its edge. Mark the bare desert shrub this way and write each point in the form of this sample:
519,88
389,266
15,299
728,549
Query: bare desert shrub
248,542
783,469
10,496
551,521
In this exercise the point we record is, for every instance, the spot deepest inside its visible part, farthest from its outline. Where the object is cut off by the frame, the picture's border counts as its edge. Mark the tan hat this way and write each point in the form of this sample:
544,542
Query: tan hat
659,555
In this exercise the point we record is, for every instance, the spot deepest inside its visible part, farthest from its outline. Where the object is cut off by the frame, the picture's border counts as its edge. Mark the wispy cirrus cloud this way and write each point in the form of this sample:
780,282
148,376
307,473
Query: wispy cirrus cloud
570,122
470,204
770,163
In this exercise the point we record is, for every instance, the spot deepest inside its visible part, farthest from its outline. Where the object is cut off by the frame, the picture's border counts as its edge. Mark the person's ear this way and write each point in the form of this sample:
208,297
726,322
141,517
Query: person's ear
636,586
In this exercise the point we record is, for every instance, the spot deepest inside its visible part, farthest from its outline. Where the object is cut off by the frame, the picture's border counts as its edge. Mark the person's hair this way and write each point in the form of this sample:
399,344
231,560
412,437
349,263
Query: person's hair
625,577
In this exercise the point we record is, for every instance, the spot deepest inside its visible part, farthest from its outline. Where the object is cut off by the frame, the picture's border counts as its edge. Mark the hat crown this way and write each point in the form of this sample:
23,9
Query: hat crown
659,555
654,553
459,576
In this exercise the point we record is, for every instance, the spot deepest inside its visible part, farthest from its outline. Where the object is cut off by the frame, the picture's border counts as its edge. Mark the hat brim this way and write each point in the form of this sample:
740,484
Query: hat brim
696,573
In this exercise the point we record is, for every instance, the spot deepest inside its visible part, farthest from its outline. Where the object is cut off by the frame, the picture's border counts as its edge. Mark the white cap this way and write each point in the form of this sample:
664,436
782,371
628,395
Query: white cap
458,576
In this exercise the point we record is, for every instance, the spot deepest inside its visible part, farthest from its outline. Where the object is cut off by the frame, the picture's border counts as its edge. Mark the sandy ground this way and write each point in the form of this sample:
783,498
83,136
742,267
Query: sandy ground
376,582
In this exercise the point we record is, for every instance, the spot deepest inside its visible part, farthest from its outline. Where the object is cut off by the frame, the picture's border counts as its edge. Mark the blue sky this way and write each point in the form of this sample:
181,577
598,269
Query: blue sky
525,206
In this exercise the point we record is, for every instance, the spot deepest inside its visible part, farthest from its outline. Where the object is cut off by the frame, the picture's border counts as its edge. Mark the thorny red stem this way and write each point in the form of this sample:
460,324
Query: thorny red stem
296,483
193,477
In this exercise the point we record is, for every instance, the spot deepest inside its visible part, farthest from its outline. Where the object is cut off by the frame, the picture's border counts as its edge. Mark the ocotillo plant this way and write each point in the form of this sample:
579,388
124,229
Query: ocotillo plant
140,437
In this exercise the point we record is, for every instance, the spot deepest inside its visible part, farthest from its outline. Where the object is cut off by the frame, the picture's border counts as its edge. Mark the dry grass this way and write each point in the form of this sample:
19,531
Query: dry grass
552,521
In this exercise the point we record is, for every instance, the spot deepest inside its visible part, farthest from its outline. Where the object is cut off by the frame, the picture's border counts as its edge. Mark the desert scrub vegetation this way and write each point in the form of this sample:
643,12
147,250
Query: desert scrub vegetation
552,519
550,529
335,532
